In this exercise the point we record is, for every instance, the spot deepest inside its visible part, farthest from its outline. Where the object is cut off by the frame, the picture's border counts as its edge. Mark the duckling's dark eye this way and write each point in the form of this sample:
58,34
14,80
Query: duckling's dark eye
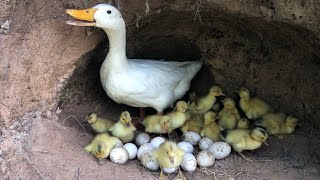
109,12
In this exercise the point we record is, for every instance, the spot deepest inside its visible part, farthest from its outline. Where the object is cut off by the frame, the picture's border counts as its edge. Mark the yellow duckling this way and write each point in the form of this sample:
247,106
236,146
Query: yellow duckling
205,103
178,116
157,124
252,107
124,129
229,115
169,155
278,123
244,139
99,125
194,123
101,145
210,128
243,123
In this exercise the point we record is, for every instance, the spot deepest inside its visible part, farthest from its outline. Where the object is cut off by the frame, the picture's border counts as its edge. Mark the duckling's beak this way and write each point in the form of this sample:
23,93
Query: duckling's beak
171,159
222,94
84,17
85,123
128,124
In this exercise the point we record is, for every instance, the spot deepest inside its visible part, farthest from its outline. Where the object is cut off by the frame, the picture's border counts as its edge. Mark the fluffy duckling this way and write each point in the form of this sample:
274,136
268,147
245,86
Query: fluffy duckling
210,128
99,125
194,123
205,103
101,145
178,116
168,155
278,123
229,115
252,107
124,129
244,139
243,123
157,124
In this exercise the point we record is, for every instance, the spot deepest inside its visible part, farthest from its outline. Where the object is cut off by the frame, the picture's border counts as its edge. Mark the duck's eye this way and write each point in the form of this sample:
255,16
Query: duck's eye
87,11
109,12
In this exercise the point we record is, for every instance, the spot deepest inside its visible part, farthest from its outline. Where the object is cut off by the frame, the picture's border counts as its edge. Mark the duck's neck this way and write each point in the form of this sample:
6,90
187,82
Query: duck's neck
116,58
117,42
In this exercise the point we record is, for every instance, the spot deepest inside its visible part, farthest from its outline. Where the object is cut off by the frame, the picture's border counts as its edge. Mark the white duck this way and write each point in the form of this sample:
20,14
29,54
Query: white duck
135,82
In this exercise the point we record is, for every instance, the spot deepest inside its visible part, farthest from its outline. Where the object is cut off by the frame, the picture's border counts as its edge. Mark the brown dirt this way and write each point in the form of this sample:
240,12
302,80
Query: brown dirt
49,71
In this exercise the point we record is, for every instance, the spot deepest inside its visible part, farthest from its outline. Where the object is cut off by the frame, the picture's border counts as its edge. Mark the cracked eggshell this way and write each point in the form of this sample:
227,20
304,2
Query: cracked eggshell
186,146
191,137
132,150
143,148
220,150
119,155
205,158
189,162
157,141
149,161
205,143
142,138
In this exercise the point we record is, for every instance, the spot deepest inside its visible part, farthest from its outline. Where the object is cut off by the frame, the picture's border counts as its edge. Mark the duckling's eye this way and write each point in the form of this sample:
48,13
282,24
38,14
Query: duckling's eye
109,12
87,11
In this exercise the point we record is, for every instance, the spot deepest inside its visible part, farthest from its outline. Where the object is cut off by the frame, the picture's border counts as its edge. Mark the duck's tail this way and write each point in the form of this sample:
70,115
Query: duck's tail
193,68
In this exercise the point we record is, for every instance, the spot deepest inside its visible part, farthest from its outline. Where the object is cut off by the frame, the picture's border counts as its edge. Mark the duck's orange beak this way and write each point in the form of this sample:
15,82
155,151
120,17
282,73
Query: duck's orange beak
86,17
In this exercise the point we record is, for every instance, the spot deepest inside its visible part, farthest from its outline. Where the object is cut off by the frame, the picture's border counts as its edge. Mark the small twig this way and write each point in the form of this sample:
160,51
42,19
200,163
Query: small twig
75,119
78,173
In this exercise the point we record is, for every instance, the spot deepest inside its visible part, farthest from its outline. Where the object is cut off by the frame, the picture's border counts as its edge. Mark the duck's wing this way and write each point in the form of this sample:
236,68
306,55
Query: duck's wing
157,76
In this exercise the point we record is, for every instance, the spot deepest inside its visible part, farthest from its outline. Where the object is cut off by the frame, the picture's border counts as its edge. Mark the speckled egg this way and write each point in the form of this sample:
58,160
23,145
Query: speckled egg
119,155
157,141
132,150
142,138
220,150
149,161
189,162
144,147
205,158
186,146
191,137
205,143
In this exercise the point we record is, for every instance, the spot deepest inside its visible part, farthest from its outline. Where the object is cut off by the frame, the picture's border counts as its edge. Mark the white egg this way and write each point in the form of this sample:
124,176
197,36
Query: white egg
119,155
186,146
191,137
169,170
132,150
149,161
189,162
144,147
205,158
220,150
205,143
142,138
157,141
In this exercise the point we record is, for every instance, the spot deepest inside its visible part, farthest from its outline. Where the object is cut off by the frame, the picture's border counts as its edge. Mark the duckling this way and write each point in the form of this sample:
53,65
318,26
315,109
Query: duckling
243,123
194,123
157,124
99,125
124,129
244,139
210,128
205,103
229,115
101,145
169,155
178,116
278,123
193,96
252,107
